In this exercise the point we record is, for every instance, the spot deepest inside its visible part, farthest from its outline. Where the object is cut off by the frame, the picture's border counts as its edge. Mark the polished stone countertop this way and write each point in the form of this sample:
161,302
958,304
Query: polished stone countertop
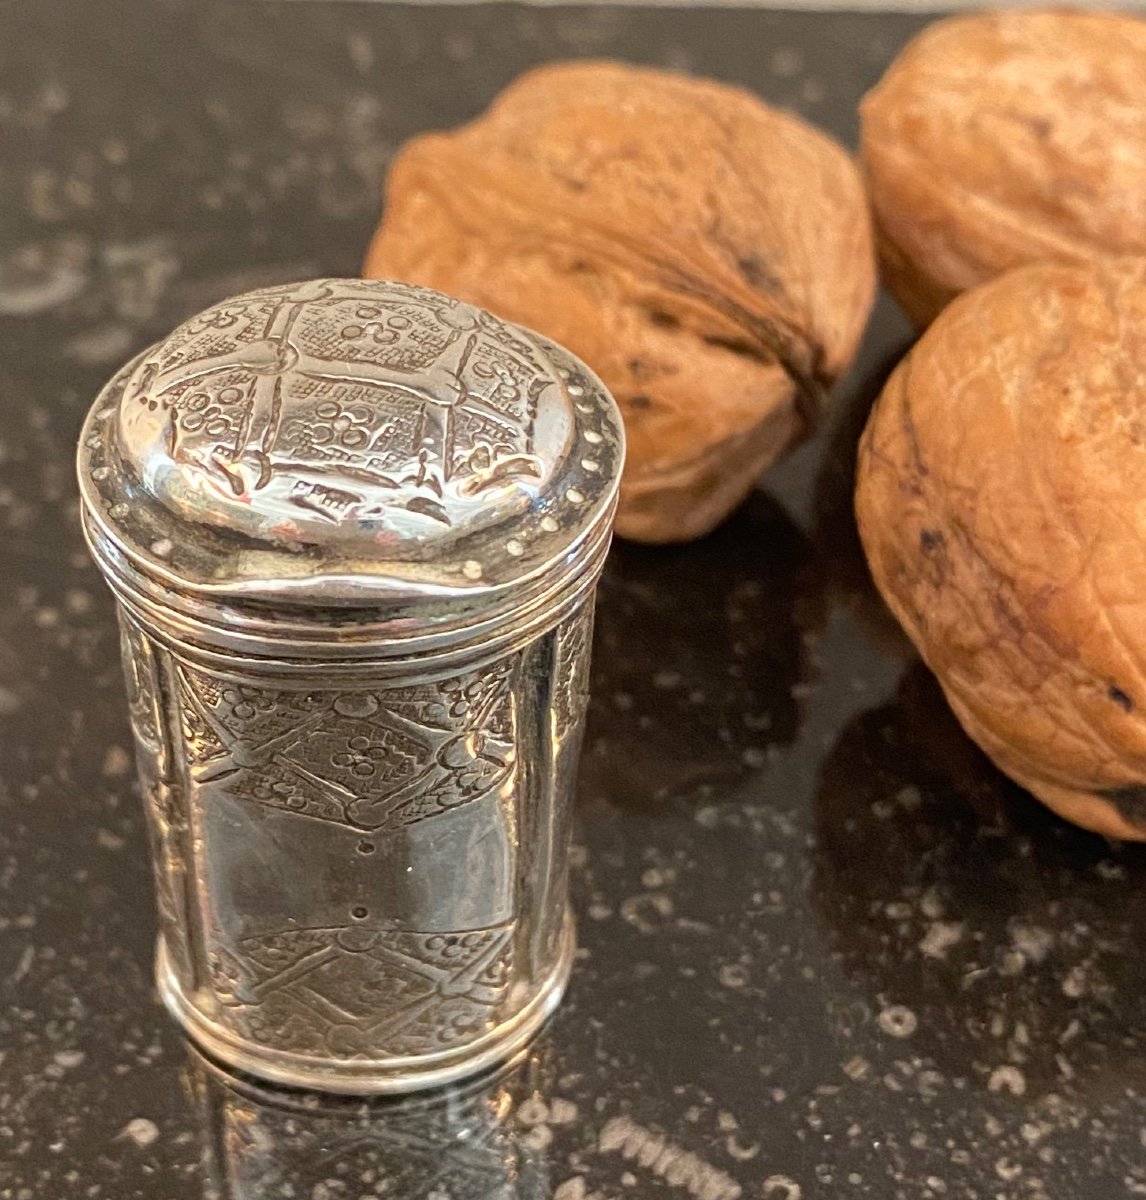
825,950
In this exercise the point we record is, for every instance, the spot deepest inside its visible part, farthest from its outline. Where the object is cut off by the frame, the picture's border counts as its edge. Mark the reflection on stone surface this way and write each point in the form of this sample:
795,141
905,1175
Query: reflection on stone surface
975,921
708,638
473,1141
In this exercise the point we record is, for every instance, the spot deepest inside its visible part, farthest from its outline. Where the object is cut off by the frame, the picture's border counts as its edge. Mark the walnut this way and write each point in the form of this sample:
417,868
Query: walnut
1001,497
1004,138
708,256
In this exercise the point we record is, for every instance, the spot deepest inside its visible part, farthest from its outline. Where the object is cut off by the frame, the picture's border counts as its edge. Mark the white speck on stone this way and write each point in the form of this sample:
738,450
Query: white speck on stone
1032,1134
549,524
733,975
592,437
24,293
68,1058
857,1067
897,1020
471,568
646,911
141,1131
672,1163
514,547
812,91
24,964
781,1187
1010,1171
909,797
931,904
1009,1079
571,1189
1011,962
116,762
1032,941
1075,983
562,1112
361,52
740,1151
786,61
538,1139
574,496
108,840
47,618
929,1083
162,547
940,937
533,1111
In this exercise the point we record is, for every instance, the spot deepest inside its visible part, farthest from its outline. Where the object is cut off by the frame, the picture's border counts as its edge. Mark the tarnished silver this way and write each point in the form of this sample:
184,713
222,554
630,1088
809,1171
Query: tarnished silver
354,529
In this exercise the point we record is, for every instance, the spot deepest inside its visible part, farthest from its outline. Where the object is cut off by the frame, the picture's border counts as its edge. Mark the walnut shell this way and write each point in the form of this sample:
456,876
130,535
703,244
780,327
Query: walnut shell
708,256
1003,138
1001,498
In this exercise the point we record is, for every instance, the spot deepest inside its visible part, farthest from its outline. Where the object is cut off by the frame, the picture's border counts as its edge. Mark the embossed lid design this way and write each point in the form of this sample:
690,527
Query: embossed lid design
347,441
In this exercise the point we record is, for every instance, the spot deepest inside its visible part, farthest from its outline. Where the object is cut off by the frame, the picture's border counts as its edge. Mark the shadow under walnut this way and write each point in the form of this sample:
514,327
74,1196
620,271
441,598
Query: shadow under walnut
708,256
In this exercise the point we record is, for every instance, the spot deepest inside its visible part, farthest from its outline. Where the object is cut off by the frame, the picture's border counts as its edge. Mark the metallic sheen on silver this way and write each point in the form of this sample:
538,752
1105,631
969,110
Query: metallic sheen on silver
354,529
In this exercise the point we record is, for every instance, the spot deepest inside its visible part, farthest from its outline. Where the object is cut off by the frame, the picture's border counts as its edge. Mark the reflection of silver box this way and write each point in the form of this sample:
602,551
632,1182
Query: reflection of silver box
354,529
462,1142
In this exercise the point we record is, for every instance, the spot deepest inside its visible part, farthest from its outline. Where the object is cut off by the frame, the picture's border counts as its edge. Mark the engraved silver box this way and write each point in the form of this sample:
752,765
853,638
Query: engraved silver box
354,530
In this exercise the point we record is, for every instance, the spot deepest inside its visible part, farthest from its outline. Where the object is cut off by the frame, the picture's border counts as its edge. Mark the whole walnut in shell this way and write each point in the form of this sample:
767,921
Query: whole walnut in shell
1001,497
1004,138
708,256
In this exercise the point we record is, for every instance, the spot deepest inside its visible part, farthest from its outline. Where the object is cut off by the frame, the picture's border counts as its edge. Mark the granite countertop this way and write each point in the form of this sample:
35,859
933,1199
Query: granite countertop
825,950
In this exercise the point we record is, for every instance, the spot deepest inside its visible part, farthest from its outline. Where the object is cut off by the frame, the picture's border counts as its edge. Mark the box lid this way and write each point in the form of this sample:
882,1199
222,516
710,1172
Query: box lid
347,442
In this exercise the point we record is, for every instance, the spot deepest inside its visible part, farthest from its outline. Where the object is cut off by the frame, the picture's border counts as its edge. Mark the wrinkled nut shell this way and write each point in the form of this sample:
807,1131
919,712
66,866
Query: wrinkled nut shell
1005,138
1001,500
708,256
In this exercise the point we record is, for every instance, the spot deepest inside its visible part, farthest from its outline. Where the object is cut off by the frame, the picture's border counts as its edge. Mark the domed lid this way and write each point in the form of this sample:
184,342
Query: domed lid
347,442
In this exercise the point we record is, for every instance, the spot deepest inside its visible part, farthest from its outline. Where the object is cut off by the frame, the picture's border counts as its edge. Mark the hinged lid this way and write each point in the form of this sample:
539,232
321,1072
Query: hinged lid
350,443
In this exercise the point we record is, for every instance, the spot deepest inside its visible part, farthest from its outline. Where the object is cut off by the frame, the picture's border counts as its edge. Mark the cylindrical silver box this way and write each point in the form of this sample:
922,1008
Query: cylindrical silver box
354,529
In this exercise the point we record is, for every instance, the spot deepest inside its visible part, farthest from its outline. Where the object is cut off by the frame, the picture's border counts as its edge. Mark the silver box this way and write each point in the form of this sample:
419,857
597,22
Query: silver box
354,529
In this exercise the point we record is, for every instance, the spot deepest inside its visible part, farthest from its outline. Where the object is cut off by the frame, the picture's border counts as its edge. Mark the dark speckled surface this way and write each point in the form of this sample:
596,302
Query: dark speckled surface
825,950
